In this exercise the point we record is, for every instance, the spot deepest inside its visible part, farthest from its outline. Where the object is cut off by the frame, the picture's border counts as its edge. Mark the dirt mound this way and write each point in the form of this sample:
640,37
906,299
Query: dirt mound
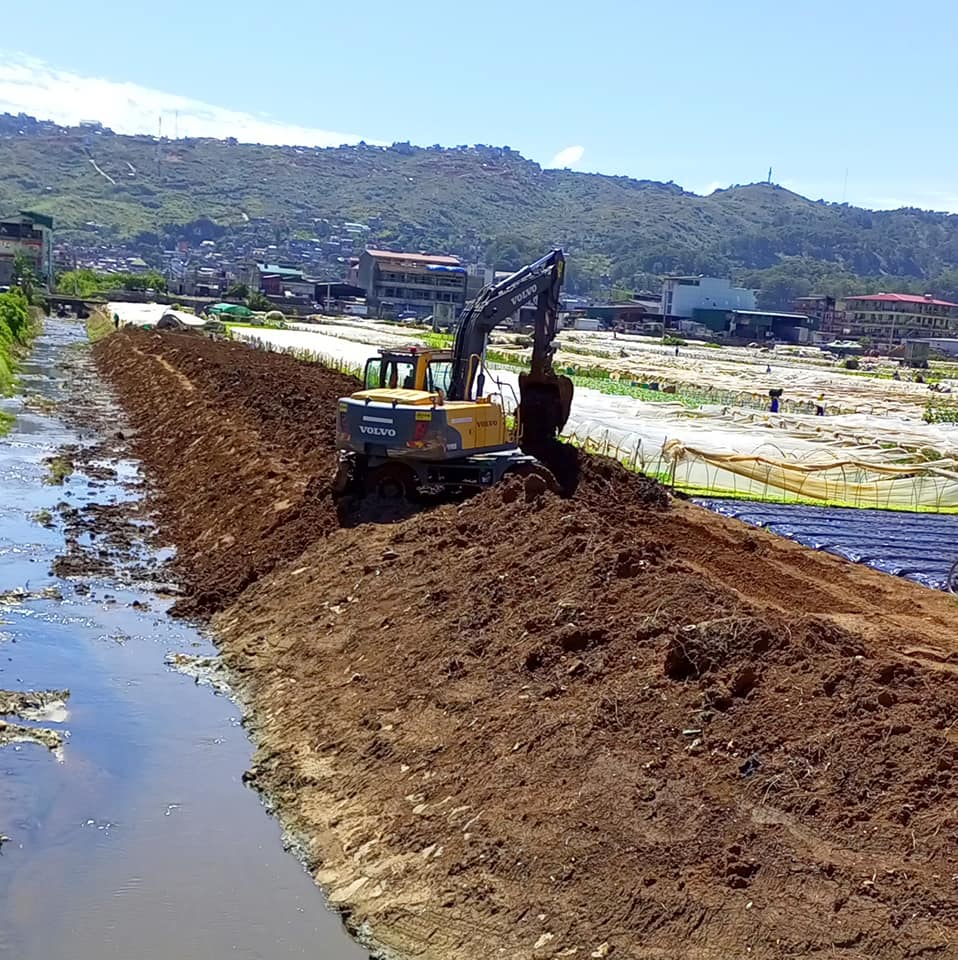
239,446
530,726
549,718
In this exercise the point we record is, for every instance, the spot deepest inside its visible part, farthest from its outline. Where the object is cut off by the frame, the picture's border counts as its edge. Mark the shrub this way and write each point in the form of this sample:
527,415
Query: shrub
14,316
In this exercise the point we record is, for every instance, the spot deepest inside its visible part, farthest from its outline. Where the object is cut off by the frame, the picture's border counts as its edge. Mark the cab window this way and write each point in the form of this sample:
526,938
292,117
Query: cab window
438,375
390,374
374,374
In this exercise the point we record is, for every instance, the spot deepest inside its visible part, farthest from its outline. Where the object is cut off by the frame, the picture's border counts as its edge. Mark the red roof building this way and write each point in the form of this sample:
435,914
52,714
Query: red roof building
440,260
888,318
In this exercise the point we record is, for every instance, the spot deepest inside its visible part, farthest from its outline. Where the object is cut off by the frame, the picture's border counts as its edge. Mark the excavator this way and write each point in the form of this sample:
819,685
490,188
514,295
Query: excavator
424,420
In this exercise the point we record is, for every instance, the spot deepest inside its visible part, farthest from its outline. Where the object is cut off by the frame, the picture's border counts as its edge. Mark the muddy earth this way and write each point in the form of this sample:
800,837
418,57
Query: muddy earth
617,725
125,828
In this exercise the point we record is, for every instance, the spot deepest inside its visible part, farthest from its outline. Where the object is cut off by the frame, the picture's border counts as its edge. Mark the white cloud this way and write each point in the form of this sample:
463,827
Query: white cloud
567,157
709,188
31,86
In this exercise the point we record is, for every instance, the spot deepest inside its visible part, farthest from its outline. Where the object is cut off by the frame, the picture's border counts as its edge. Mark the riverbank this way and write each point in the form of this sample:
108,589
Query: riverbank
528,727
125,828
19,325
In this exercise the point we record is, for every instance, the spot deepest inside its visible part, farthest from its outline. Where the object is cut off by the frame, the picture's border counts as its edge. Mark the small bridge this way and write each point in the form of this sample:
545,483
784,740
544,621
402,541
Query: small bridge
81,306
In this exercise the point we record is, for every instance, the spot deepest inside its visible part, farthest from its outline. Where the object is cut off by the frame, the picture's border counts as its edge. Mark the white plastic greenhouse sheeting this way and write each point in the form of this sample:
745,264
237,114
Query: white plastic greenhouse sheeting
776,451
744,371
149,314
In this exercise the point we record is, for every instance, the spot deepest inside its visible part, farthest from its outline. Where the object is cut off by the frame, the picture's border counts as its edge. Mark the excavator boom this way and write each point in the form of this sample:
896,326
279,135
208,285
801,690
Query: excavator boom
545,398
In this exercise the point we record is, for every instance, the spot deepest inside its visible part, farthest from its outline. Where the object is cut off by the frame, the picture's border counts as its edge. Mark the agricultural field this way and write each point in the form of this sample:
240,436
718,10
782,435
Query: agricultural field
700,419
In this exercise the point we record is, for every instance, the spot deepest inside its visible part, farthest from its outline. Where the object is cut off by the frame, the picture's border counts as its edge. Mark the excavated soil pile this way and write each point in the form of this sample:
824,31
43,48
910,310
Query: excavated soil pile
239,444
617,725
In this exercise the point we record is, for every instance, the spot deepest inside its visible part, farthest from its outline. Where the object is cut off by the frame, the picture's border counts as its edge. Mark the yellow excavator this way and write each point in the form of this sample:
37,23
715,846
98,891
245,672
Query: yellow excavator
424,420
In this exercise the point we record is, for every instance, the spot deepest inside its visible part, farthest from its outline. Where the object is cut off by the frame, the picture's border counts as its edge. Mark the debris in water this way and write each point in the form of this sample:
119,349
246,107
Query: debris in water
20,595
206,671
13,733
49,705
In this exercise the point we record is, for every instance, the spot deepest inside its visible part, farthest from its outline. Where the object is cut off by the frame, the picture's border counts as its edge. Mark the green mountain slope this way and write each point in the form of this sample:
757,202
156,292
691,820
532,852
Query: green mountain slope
481,202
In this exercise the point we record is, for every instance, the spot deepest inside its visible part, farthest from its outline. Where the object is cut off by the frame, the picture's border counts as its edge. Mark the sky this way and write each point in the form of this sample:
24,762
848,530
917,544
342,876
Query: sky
844,100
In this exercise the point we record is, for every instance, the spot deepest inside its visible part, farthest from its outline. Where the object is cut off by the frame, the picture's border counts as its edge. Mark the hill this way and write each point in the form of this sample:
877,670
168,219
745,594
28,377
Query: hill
482,202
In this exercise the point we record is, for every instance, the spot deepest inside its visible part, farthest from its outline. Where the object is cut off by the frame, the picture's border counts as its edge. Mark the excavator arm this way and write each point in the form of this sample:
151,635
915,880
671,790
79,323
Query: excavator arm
494,305
545,399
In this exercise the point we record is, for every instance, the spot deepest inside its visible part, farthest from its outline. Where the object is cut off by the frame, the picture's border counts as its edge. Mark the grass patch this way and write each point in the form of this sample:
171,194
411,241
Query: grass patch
59,468
43,517
19,325
6,422
438,341
99,325
937,411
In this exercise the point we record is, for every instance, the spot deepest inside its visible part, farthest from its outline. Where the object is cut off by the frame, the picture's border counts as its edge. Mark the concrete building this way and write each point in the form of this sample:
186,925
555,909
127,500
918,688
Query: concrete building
758,325
268,278
30,235
947,346
682,296
477,277
888,318
201,282
823,311
413,284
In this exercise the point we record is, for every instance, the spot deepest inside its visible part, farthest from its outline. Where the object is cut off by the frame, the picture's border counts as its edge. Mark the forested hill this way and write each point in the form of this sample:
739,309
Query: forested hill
481,202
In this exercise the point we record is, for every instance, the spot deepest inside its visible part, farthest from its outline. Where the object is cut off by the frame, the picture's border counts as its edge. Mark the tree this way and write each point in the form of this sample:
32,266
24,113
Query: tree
156,281
257,301
24,275
79,283
238,291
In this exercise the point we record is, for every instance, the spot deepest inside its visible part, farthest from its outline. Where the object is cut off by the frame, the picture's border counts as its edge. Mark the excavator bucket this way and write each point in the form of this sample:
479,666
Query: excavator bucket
544,404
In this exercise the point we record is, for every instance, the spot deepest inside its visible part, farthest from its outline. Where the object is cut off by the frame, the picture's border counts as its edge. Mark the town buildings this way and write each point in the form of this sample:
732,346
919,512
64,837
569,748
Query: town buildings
210,282
279,280
28,235
413,284
682,296
888,318
710,306
824,312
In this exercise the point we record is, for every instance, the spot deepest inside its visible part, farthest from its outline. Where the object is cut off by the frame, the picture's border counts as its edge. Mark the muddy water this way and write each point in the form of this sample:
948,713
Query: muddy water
142,842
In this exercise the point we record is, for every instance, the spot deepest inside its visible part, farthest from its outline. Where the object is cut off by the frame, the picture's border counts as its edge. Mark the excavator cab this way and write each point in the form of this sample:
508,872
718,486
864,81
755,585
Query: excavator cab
412,369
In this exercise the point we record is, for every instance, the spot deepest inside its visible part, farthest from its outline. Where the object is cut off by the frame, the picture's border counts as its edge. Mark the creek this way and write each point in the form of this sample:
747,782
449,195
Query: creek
140,840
